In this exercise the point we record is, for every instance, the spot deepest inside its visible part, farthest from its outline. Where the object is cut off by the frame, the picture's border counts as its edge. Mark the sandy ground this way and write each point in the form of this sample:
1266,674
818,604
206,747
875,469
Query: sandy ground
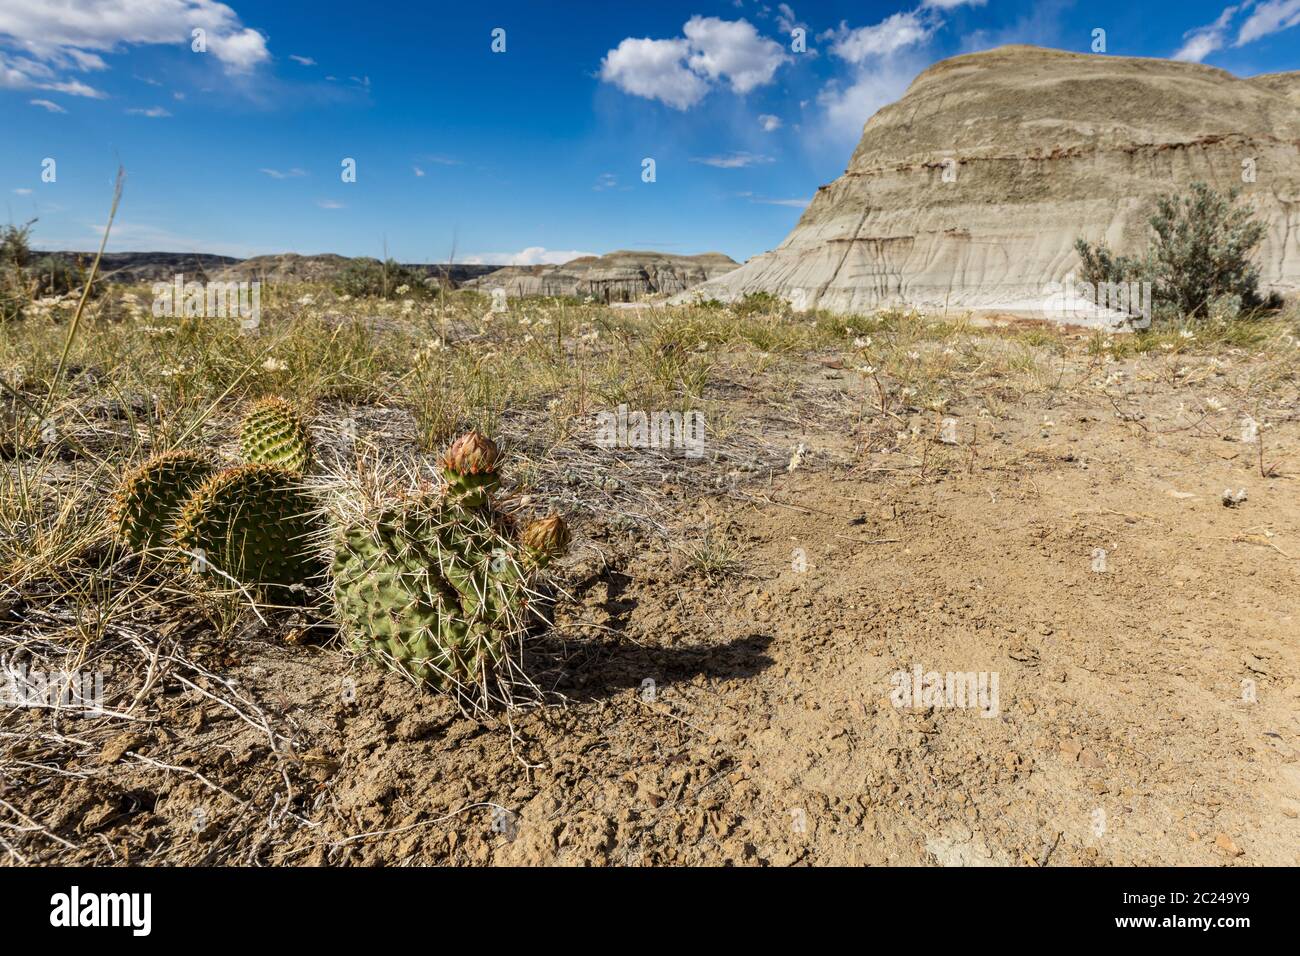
1146,708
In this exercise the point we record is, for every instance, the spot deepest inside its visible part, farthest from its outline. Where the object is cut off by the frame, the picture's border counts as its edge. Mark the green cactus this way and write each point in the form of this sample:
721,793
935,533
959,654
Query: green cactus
432,589
437,587
146,506
273,433
255,524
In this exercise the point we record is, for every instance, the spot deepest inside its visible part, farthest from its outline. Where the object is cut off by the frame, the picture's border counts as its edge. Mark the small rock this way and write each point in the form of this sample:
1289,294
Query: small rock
1224,843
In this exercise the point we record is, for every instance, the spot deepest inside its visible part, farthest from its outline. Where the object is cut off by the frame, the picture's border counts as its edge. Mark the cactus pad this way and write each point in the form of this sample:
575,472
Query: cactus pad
273,433
152,495
433,590
255,524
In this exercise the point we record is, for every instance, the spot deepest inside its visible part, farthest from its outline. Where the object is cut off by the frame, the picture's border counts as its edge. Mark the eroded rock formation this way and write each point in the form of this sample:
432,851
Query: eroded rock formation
970,191
616,277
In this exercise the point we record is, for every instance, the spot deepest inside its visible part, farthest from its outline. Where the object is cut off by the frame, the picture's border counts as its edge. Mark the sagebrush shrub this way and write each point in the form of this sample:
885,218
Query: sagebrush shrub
363,278
1200,253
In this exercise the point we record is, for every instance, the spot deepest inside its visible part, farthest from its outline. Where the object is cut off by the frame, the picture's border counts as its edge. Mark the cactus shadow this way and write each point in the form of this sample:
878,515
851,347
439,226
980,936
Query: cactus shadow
591,670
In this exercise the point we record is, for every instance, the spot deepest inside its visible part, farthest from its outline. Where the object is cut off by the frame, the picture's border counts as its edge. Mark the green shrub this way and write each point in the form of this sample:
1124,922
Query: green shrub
15,250
760,303
371,278
1099,265
1199,257
1202,250
54,276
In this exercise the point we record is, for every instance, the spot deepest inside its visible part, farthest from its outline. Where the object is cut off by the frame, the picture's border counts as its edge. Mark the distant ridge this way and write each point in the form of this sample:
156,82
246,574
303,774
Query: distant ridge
132,267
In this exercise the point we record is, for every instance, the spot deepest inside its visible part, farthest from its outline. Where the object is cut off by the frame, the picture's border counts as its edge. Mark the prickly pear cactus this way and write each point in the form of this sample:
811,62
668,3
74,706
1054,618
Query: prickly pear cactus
146,506
470,468
439,588
255,524
433,590
273,433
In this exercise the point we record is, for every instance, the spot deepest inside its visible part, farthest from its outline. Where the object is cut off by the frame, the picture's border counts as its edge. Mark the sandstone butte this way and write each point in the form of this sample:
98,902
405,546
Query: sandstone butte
969,192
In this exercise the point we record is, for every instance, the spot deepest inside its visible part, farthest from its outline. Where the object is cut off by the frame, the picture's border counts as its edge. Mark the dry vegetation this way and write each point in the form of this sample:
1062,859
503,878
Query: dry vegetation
198,759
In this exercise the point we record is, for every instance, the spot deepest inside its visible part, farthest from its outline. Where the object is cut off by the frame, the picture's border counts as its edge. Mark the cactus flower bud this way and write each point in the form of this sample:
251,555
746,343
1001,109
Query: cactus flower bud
547,538
472,454
470,467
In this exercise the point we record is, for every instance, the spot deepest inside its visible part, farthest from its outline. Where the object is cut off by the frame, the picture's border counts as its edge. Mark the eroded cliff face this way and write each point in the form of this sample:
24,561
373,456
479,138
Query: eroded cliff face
970,191
616,277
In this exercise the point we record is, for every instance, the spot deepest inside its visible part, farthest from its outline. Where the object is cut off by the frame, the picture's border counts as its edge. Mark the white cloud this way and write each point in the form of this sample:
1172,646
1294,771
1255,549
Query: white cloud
532,256
680,72
22,192
304,60
1271,17
417,170
951,4
605,181
153,112
330,204
732,50
294,173
849,108
72,33
763,200
733,160
49,105
239,51
24,73
654,69
890,35
1201,42
768,122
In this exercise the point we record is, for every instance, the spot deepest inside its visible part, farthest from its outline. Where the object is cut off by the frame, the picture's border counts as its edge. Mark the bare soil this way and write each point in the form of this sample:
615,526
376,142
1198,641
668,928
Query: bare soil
1147,708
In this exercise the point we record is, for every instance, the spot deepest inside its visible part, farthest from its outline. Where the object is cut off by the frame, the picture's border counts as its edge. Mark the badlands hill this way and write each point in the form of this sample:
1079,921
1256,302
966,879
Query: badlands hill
971,189
615,277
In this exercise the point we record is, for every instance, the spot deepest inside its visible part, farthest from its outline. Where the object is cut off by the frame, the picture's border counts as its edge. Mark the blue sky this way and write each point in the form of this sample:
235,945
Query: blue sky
528,155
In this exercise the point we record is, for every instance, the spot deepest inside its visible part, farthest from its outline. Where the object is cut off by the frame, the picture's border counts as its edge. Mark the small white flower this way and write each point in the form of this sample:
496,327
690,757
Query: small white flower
273,364
306,300
862,343
402,289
